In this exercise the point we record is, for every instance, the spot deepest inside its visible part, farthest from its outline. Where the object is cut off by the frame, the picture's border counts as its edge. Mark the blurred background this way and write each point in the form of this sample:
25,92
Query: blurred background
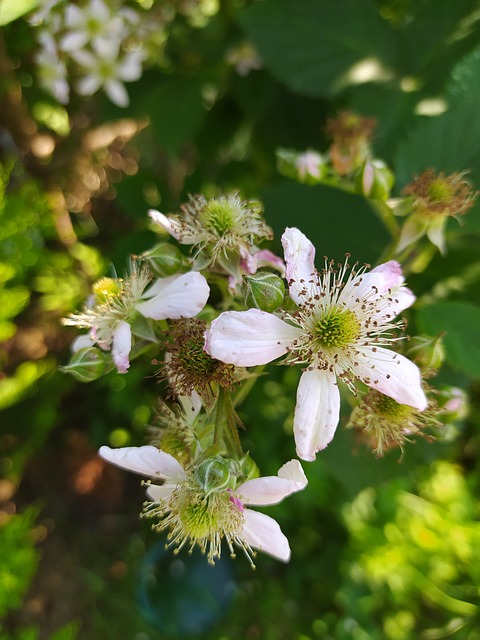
191,97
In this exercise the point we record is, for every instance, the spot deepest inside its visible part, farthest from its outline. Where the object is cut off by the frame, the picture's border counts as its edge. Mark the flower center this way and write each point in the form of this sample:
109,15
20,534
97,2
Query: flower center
389,407
337,328
106,289
218,216
440,191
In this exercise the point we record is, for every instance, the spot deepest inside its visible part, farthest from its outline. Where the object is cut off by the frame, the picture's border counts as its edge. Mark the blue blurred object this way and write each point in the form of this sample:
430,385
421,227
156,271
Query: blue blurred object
183,594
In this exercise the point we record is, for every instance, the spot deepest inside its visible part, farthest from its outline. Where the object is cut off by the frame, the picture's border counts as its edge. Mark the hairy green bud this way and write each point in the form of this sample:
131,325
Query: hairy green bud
164,259
264,291
374,180
87,364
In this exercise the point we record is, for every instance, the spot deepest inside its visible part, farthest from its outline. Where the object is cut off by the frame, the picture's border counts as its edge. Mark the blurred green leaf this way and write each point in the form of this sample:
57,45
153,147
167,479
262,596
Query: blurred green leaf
460,321
448,142
317,47
175,108
336,222
12,9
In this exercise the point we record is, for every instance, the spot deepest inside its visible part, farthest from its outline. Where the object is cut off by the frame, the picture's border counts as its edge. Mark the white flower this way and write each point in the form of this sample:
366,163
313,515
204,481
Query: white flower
310,164
117,302
199,506
108,68
90,23
52,71
341,329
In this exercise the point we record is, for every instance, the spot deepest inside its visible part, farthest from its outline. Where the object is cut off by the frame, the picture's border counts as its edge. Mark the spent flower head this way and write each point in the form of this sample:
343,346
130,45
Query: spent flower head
189,368
343,329
204,504
351,135
222,230
434,197
384,424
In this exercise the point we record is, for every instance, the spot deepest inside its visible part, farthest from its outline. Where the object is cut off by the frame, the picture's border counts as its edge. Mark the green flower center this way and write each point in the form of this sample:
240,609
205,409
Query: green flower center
440,191
337,329
218,216
389,407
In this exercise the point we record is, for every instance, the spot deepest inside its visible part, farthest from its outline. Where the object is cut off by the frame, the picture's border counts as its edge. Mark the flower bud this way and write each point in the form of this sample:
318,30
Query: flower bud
87,364
264,291
374,180
164,259
212,475
308,167
428,353
453,403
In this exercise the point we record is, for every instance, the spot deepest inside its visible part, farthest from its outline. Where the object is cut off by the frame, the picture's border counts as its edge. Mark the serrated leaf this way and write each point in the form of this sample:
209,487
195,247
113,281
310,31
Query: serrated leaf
448,142
465,78
12,9
313,45
460,321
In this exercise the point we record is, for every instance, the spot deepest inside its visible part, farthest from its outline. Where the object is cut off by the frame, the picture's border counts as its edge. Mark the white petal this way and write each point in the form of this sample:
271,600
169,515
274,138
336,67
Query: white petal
88,85
122,345
393,375
73,41
273,489
316,413
248,338
161,493
147,461
391,273
179,296
80,342
117,93
299,259
263,533
191,405
168,224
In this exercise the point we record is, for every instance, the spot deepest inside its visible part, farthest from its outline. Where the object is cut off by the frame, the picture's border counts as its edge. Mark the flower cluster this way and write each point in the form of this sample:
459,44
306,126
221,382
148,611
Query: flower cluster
98,44
339,324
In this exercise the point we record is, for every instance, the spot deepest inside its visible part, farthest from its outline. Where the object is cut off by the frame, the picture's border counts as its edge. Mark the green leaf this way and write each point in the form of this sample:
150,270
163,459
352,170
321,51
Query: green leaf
315,46
465,78
448,142
12,9
176,110
461,323
336,222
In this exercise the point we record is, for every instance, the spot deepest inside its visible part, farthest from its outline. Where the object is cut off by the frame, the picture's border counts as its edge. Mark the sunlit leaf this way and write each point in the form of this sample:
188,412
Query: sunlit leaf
460,322
12,9
317,47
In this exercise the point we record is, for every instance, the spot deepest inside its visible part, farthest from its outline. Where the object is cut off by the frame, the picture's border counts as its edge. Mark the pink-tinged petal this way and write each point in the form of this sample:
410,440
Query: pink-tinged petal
250,262
162,493
147,461
173,227
121,346
81,342
393,375
273,489
248,338
179,296
263,533
317,412
391,273
299,258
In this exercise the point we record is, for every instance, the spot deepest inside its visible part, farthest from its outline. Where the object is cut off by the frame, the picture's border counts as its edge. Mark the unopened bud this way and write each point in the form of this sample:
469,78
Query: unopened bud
428,353
265,291
164,259
308,167
374,180
87,364
213,475
453,403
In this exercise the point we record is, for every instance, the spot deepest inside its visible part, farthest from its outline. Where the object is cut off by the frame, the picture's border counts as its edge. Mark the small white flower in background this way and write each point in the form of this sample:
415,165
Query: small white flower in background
118,302
107,68
244,58
201,506
52,72
90,23
342,326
